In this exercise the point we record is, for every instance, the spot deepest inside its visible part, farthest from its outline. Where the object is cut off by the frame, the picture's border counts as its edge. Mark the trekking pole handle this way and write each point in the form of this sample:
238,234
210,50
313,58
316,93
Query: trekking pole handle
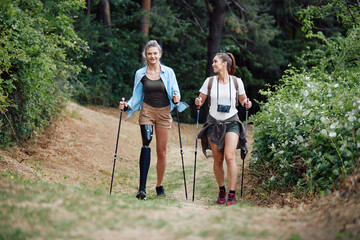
200,101
122,101
175,97
245,103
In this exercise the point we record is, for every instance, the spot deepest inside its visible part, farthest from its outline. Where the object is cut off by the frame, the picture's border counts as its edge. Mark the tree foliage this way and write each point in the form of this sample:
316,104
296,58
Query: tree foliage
113,58
34,67
307,136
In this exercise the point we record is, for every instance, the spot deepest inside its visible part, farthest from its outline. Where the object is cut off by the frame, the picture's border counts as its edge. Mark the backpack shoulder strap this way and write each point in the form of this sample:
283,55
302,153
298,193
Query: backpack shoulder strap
237,89
211,80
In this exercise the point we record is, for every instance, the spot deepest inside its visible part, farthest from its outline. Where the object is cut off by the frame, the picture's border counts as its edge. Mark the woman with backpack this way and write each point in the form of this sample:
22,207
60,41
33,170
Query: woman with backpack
223,132
155,94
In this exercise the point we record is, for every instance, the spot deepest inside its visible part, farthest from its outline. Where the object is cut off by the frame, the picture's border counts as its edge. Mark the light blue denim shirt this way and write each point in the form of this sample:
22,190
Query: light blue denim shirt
167,76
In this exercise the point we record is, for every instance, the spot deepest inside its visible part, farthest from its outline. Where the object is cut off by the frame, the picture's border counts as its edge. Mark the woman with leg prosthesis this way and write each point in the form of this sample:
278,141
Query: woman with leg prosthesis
155,94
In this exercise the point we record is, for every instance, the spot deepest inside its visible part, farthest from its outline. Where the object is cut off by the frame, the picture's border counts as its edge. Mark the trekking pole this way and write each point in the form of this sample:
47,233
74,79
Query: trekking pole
196,141
117,142
181,150
242,175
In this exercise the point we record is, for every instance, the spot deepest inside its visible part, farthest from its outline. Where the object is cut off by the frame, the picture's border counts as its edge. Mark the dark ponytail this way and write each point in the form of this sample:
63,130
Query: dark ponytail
232,67
230,60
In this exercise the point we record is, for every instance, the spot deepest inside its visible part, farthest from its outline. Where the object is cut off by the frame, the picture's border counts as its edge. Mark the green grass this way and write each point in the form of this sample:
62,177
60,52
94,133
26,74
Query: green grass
346,235
31,209
34,209
294,236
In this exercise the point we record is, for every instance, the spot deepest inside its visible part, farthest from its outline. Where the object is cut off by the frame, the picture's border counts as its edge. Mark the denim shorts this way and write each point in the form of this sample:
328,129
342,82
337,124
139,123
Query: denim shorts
230,127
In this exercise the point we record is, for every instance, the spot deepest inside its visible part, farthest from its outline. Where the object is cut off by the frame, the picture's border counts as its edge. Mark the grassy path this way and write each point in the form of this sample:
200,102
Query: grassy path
50,211
57,187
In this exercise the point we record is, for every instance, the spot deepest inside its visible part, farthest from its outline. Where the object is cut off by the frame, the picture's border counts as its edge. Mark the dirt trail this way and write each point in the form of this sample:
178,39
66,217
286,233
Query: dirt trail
78,150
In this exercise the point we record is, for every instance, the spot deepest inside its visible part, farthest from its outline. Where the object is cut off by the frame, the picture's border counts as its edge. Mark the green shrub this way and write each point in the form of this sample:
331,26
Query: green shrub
307,136
34,65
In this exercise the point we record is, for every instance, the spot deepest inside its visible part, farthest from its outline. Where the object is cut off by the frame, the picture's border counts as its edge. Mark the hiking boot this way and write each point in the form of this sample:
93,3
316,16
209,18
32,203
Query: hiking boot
141,195
231,199
222,197
160,191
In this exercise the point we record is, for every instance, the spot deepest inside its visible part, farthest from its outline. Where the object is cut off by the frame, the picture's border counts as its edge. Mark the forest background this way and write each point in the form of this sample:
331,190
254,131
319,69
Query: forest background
298,59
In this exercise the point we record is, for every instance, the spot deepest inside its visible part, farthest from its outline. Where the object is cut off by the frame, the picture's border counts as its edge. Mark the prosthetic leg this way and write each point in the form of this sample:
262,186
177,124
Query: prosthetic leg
145,155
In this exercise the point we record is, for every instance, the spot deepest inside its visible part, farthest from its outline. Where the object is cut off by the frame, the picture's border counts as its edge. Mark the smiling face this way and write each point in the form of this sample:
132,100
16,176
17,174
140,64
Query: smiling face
218,64
152,55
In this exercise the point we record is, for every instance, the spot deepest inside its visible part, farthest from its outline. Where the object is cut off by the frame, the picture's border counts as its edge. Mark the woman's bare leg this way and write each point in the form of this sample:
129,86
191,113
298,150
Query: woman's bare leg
162,135
231,141
218,164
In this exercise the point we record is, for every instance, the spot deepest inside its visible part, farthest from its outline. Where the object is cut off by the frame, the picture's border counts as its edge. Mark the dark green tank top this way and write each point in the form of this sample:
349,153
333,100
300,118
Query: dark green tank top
155,92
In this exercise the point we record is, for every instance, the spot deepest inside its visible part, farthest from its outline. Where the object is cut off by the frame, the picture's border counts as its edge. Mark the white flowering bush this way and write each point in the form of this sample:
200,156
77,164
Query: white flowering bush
307,136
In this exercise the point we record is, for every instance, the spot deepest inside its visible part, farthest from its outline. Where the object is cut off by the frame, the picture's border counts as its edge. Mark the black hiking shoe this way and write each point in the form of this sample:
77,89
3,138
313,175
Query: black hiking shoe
160,191
141,195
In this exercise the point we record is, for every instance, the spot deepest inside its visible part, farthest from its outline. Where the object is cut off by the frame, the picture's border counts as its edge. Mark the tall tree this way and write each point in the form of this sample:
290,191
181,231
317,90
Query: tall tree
104,15
88,7
144,24
216,12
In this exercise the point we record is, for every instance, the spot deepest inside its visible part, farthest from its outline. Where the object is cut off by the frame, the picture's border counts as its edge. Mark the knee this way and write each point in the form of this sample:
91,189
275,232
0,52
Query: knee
161,154
146,134
218,162
229,158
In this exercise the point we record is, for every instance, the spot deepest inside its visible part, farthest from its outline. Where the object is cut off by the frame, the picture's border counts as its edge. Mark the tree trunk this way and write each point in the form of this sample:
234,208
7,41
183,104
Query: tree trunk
216,25
144,25
104,15
145,8
88,7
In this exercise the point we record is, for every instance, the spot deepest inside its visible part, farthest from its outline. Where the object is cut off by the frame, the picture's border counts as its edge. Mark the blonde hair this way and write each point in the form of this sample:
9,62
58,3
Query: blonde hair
230,60
149,44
